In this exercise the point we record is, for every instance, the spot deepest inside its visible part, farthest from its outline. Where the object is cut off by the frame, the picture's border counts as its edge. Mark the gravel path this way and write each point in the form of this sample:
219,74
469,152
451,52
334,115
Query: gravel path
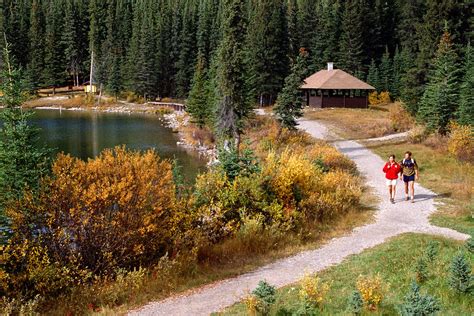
391,220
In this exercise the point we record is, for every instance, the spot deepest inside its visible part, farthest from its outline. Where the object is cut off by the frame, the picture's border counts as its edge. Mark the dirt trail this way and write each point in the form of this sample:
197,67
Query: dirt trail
391,220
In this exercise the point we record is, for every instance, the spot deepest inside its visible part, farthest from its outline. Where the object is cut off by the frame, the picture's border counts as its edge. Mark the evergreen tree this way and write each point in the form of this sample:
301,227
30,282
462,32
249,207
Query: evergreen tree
293,29
267,50
74,52
417,304
290,101
373,76
97,37
398,72
351,50
465,112
439,102
233,108
198,106
36,49
460,275
386,72
55,70
332,28
22,162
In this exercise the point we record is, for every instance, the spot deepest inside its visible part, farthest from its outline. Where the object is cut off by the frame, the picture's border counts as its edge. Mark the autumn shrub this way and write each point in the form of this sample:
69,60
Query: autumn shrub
400,118
372,290
95,217
461,142
379,98
313,291
417,134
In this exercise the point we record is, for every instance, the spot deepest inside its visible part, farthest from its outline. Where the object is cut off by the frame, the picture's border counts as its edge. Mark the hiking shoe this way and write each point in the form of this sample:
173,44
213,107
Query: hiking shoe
413,200
408,198
392,200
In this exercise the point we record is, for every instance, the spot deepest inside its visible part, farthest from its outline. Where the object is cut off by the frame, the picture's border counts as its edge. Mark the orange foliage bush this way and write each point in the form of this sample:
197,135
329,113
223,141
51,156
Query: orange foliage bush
461,142
400,118
379,98
115,211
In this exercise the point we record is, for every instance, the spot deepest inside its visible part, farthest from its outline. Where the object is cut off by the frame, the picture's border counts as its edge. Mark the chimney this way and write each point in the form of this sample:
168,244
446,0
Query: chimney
330,66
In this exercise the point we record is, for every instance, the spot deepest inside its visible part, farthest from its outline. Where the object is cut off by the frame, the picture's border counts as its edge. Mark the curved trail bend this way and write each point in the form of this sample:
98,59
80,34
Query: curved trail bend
391,220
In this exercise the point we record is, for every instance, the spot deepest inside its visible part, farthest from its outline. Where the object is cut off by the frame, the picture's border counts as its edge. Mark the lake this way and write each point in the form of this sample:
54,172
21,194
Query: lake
85,134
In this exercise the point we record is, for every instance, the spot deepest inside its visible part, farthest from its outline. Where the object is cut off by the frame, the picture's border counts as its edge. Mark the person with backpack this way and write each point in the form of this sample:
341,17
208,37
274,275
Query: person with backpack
392,169
409,175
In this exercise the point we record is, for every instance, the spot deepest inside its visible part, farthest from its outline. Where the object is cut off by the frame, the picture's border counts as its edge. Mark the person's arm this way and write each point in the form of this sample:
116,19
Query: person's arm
385,168
401,170
417,175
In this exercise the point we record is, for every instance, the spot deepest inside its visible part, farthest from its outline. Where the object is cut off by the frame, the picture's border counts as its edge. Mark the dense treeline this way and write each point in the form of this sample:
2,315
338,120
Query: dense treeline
152,47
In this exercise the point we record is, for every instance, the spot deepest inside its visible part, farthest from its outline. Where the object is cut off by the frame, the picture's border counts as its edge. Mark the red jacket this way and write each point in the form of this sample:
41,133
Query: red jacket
392,171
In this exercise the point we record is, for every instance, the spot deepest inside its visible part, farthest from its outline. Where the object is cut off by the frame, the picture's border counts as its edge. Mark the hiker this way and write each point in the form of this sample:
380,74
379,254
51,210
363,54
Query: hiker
409,175
392,169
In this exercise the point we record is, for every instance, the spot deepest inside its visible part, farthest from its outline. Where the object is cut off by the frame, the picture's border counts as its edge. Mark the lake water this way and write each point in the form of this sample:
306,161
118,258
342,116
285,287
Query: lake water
85,134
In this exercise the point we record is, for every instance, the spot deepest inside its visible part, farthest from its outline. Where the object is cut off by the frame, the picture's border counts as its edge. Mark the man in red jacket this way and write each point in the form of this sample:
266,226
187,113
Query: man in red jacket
392,169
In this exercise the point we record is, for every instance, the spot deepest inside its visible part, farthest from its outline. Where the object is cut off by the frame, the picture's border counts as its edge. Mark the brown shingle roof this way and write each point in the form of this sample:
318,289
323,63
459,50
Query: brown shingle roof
334,79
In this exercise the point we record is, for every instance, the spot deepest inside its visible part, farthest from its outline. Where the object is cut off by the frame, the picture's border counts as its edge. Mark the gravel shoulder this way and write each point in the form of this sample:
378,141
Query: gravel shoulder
391,220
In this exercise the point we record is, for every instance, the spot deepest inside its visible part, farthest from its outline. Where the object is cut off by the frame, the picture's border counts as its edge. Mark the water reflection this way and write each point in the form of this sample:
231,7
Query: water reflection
85,134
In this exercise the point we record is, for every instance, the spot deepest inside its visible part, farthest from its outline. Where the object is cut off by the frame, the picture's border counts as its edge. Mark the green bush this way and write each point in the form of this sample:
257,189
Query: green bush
421,270
265,293
432,251
416,304
234,163
470,245
460,277
355,304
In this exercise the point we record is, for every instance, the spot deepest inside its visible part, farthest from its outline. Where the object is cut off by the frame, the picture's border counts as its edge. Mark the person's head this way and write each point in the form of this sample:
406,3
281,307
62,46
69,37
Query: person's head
408,155
391,158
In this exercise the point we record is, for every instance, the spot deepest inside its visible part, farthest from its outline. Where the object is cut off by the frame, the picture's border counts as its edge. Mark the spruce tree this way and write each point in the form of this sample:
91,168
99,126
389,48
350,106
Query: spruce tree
36,35
373,76
290,102
22,162
440,100
386,72
398,72
267,50
351,43
55,70
293,29
465,112
232,109
198,106
460,275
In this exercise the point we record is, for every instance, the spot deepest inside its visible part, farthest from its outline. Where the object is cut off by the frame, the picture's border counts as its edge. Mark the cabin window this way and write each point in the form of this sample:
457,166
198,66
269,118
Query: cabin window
313,93
318,93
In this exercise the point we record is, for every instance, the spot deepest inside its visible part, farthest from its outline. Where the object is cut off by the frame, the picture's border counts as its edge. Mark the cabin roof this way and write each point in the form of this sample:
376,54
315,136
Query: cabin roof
334,79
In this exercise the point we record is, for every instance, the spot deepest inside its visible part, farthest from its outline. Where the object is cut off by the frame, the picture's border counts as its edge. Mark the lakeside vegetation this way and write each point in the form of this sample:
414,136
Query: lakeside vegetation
113,232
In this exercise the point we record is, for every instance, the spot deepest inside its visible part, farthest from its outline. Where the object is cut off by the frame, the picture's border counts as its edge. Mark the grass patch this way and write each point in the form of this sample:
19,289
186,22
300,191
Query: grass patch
451,179
394,261
375,121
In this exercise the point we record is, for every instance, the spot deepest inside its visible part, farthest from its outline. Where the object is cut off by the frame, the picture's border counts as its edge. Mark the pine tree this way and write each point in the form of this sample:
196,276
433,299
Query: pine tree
290,102
293,29
36,39
398,72
460,276
97,37
22,162
373,76
439,102
55,70
267,50
198,106
386,72
233,108
465,112
417,304
351,44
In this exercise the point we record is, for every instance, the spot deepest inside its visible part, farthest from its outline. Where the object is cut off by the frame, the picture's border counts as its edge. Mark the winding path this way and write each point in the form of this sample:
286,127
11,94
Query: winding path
391,220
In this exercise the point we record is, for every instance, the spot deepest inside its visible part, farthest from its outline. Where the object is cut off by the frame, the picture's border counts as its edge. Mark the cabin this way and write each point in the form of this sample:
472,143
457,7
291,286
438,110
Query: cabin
330,88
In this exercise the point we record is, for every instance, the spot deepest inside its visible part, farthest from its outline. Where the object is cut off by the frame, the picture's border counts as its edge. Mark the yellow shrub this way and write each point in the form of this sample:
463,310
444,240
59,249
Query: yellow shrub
292,177
379,98
251,303
400,118
372,290
313,291
113,211
461,142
